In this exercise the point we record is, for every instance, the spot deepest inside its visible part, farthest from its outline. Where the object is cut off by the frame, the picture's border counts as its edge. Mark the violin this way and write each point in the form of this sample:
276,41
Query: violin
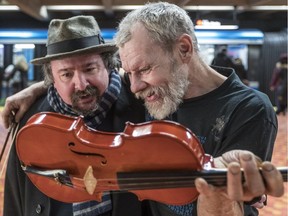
71,162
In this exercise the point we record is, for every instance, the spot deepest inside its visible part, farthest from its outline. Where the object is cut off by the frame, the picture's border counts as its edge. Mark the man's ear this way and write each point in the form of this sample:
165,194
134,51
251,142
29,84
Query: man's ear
185,47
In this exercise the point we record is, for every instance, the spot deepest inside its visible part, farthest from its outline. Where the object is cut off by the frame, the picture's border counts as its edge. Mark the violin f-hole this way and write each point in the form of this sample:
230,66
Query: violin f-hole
72,146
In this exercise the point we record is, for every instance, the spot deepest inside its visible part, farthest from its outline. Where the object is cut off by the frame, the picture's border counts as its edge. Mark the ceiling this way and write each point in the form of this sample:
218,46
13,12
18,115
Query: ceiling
259,14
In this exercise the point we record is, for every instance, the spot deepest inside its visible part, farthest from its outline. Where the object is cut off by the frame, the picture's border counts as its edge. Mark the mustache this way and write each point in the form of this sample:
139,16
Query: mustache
147,92
88,91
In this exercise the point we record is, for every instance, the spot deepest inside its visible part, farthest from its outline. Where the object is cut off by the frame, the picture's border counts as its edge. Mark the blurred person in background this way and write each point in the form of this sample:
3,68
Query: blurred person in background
222,59
279,84
240,70
16,74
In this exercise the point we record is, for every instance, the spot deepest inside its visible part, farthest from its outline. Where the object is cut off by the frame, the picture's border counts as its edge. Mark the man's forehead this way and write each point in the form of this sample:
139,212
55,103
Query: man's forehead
134,62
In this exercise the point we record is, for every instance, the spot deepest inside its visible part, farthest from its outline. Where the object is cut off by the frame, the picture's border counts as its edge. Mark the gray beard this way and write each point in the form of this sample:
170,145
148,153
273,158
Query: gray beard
171,95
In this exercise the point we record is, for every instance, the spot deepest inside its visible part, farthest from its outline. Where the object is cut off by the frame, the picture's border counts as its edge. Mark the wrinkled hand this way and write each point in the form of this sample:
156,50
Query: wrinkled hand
20,102
229,200
16,104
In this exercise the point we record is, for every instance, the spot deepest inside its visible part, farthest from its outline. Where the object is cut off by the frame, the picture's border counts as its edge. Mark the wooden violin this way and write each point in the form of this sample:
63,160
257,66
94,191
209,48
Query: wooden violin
71,162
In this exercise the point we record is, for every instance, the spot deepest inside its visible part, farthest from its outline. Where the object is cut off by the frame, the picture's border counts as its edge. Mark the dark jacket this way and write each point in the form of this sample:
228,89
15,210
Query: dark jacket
22,198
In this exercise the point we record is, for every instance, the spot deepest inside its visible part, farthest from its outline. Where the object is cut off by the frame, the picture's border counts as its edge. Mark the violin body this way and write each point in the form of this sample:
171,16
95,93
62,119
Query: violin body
51,141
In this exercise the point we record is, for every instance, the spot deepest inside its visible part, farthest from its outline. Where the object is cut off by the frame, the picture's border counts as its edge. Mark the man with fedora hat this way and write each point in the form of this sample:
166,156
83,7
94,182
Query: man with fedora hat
79,71
150,68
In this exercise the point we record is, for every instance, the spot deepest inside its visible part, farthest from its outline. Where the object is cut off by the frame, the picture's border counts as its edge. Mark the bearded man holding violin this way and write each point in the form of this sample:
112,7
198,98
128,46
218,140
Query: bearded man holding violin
160,57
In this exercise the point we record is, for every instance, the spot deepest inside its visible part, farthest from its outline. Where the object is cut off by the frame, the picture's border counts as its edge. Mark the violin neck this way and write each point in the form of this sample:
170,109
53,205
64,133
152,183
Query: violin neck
143,180
176,179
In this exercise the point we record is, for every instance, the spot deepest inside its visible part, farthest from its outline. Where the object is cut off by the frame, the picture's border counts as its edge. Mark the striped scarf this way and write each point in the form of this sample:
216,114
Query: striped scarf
91,208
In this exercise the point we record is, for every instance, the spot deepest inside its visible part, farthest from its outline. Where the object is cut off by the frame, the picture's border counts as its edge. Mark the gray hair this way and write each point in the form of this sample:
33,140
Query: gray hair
165,23
111,61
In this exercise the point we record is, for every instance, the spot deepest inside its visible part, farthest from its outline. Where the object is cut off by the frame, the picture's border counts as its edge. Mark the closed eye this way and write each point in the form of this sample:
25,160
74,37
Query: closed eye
140,72
145,70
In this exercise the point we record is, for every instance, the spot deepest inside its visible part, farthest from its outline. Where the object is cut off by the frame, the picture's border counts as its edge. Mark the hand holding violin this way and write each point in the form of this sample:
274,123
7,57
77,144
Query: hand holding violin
84,163
230,198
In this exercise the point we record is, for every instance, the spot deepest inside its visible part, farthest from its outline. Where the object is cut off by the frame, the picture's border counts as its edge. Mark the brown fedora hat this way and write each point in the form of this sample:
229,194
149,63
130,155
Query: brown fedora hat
76,35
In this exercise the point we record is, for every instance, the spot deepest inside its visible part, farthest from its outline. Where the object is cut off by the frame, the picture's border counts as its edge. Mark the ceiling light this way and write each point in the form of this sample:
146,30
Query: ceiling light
90,7
210,8
24,46
74,7
210,24
227,27
9,8
264,8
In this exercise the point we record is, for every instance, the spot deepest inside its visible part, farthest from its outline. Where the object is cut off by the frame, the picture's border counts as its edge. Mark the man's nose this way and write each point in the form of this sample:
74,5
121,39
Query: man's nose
80,81
137,84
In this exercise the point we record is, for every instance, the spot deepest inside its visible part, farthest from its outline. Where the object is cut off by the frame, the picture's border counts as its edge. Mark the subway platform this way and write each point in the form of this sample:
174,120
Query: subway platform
275,206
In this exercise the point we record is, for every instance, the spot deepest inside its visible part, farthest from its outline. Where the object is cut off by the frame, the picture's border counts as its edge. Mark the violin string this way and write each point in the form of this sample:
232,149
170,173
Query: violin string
173,182
154,182
149,183
161,178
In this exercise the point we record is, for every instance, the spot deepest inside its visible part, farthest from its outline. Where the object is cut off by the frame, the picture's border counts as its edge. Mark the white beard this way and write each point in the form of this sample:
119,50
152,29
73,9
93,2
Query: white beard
170,94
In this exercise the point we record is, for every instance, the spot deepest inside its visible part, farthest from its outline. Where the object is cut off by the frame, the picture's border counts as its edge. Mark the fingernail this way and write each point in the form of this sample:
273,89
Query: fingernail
268,167
234,170
246,157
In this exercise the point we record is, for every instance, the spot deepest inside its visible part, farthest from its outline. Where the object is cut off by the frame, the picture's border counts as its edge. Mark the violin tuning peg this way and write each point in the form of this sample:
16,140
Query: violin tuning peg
90,181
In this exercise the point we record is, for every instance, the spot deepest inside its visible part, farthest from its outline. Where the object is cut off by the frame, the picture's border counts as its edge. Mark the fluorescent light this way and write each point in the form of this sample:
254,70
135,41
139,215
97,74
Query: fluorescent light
126,7
132,7
22,34
264,8
74,7
226,27
255,34
210,24
210,8
230,37
9,8
90,7
43,11
24,46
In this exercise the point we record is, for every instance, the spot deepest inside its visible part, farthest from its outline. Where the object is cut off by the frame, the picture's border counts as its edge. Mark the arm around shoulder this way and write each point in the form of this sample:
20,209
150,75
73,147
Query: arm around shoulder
16,105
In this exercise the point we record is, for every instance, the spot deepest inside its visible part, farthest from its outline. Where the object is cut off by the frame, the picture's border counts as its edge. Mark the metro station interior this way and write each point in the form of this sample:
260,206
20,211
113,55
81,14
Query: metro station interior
253,30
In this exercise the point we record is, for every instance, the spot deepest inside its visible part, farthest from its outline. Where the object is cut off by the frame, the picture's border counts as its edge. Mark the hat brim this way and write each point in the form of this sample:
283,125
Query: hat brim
95,49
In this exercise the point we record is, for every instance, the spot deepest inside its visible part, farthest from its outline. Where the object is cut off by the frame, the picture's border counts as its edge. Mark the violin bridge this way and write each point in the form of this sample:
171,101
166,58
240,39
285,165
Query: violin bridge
90,181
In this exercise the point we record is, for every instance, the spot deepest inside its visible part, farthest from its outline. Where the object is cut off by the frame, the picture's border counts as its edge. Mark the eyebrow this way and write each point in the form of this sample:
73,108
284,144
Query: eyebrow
63,70
146,67
82,66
